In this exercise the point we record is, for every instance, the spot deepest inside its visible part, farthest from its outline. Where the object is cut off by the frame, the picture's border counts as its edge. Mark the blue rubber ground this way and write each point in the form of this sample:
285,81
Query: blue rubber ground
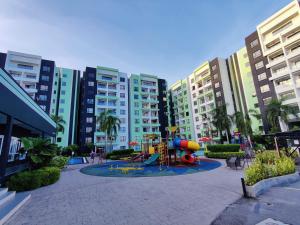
148,171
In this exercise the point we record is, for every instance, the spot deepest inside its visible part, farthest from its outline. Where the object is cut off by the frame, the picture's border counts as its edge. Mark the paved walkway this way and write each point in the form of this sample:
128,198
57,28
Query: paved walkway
89,200
279,203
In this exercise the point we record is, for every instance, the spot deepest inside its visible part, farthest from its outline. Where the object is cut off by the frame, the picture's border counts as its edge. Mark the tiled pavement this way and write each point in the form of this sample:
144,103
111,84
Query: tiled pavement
89,200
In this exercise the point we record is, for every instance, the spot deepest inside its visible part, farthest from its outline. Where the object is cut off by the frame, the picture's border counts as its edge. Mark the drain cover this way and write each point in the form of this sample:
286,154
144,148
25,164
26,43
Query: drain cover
270,221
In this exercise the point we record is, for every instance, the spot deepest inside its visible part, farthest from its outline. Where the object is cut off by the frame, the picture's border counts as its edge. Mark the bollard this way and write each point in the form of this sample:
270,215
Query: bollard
244,188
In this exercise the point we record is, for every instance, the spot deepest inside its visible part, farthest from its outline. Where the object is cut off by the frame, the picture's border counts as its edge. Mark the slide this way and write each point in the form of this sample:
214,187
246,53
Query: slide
137,156
152,159
189,147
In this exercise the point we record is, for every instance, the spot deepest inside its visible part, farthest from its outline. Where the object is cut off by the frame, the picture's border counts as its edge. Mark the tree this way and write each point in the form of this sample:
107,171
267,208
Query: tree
238,119
60,122
277,112
221,120
109,124
39,151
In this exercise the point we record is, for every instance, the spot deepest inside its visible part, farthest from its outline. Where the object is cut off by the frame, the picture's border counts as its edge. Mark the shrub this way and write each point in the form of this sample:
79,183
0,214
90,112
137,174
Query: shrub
256,172
223,155
223,148
29,180
267,157
119,153
285,165
59,161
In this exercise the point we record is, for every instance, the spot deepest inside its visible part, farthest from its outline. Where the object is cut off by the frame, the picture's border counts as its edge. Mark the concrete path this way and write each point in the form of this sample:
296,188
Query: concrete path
89,200
279,203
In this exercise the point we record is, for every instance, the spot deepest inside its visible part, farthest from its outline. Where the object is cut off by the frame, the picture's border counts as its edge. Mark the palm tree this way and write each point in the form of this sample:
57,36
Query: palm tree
277,112
108,124
60,122
239,120
221,120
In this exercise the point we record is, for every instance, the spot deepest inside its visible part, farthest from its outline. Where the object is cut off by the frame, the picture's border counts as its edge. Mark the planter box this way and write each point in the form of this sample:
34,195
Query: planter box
264,185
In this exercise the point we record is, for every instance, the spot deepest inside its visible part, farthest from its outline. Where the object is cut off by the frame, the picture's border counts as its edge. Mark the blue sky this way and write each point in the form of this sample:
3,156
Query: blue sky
168,38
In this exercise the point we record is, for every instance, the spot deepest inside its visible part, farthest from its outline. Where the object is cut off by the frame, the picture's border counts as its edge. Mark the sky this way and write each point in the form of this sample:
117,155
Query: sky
167,38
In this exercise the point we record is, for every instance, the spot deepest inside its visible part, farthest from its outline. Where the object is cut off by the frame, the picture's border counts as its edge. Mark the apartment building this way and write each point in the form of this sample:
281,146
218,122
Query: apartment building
144,106
279,38
163,107
243,88
103,89
64,103
181,109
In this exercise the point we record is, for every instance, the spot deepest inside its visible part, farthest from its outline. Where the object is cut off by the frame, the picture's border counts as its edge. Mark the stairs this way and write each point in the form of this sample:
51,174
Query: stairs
10,202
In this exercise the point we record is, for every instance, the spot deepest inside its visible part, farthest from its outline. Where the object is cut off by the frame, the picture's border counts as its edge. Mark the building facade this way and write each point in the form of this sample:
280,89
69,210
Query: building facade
103,89
163,107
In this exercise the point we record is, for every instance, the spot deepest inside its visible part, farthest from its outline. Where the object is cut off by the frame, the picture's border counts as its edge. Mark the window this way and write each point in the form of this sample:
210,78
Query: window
254,43
122,87
64,83
123,129
61,110
259,65
23,66
216,76
122,79
43,97
63,92
193,87
91,84
197,118
194,95
137,129
267,100
46,69
214,67
136,97
122,138
44,88
196,110
136,89
195,102
88,129
264,88
64,75
89,119
90,101
256,54
88,140
43,107
122,95
135,81
262,76
58,139
122,112
91,75
89,110
122,103
136,112
45,78
218,94
62,101
217,85
123,120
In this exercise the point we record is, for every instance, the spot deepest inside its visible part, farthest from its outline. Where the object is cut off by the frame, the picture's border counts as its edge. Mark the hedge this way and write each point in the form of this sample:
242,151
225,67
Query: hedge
59,161
224,148
119,153
29,180
223,155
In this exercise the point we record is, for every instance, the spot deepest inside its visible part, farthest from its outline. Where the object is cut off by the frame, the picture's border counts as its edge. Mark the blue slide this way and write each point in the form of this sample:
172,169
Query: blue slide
152,159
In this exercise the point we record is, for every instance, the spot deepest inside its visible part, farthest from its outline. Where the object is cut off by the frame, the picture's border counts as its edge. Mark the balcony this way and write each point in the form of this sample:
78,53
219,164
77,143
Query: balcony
275,61
279,73
284,87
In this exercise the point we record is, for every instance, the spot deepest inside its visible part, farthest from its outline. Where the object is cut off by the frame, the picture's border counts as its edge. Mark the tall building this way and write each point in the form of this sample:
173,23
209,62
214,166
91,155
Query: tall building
103,89
163,107
64,103
144,106
180,104
279,38
243,88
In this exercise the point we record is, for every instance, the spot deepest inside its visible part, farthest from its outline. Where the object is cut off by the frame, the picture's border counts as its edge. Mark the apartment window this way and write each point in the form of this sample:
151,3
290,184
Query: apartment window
43,97
259,65
217,85
254,43
122,138
137,121
91,75
216,76
89,110
89,119
45,78
122,103
136,89
122,95
193,87
88,129
23,66
136,97
46,69
214,67
43,107
61,110
123,129
194,95
44,88
58,139
187,114
266,101
88,140
264,88
195,102
256,54
53,101
136,104
65,75
123,120
122,87
62,101
262,76
196,110
63,92
122,79
136,112
218,94
91,84
90,101
122,112
197,118
137,129
135,81
64,83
